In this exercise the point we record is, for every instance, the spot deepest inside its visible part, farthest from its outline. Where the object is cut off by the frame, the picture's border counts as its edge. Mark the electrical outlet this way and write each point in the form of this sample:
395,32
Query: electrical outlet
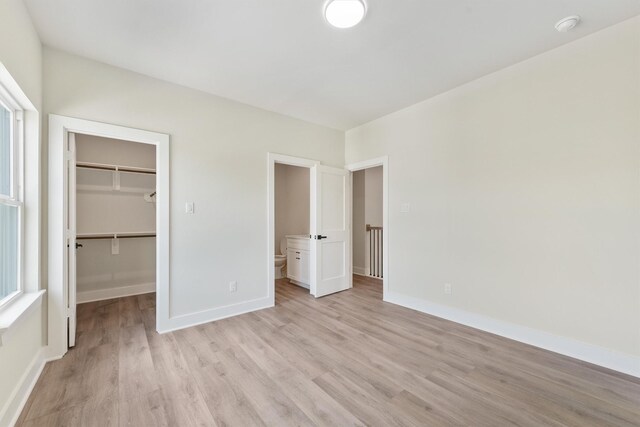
233,286
405,207
115,246
447,288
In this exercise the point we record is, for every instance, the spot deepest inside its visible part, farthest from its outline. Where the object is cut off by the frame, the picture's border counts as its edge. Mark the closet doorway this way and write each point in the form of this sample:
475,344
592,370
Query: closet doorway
108,220
112,216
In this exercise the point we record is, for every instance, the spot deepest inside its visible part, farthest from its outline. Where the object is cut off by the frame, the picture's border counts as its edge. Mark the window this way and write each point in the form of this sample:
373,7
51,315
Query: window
11,206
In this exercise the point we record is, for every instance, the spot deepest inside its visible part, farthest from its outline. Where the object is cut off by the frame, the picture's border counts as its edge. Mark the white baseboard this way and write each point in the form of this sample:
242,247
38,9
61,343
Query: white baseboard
218,313
18,398
591,353
360,271
122,291
302,285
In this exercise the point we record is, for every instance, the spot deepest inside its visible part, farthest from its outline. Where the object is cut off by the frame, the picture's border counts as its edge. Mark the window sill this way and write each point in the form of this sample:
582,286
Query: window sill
16,311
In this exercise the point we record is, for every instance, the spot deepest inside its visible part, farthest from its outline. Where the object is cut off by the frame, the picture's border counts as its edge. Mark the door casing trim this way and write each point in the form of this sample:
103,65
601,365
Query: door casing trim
59,128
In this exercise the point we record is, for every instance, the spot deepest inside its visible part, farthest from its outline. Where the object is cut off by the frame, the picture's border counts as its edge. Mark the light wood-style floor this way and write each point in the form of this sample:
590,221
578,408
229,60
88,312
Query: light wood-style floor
346,359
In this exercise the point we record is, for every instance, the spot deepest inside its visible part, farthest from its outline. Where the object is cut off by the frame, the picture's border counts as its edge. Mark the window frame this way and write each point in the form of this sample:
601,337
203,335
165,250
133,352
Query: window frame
16,190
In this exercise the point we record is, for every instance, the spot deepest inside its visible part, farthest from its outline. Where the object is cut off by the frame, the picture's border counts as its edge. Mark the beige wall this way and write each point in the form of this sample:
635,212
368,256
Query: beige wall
20,53
367,209
218,161
18,356
20,49
111,151
524,192
358,223
373,196
292,202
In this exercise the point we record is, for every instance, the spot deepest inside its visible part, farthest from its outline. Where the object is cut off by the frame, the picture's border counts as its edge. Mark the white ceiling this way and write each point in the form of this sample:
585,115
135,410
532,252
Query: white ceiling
282,56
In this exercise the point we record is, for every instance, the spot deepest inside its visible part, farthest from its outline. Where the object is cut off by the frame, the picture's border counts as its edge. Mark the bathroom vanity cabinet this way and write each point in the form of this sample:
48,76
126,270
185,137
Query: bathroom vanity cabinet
298,262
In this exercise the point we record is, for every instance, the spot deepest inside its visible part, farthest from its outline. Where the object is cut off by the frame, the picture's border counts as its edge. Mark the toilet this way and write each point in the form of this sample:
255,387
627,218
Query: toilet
281,260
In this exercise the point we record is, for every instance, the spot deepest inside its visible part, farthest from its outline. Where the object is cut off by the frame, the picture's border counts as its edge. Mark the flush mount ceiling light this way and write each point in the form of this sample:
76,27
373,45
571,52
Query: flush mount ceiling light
344,13
568,23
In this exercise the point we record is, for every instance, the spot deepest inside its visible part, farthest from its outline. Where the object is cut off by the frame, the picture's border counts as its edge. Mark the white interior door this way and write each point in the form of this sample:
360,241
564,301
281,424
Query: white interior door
330,230
71,238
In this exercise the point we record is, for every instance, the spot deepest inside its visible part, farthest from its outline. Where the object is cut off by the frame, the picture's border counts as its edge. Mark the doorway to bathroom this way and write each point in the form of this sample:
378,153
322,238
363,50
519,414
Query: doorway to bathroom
292,220
320,259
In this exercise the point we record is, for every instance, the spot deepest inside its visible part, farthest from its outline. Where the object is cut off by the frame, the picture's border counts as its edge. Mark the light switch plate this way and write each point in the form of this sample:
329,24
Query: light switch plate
405,208
189,208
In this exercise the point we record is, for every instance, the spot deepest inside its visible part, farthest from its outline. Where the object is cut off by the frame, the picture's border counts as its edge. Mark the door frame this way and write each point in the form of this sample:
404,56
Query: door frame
59,128
272,159
367,164
72,240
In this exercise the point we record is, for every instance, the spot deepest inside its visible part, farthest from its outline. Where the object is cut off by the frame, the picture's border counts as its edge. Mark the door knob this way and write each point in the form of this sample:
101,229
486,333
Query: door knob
78,245
319,237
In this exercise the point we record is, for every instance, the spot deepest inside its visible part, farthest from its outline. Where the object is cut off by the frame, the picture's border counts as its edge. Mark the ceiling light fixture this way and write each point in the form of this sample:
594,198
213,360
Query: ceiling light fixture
344,13
567,24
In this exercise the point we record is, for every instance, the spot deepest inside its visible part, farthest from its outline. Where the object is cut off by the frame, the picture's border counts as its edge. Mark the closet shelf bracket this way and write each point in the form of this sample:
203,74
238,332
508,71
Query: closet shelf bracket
151,197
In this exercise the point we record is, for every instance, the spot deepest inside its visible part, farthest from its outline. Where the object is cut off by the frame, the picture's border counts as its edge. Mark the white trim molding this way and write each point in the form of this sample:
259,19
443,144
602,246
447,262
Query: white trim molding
13,406
361,271
59,128
14,313
28,167
218,313
586,352
119,292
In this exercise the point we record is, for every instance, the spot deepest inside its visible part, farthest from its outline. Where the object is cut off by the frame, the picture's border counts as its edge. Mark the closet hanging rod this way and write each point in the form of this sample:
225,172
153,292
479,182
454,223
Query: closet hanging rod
113,236
100,166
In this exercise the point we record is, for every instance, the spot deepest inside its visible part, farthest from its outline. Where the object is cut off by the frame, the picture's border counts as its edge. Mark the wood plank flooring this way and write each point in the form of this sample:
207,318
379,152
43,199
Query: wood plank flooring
344,360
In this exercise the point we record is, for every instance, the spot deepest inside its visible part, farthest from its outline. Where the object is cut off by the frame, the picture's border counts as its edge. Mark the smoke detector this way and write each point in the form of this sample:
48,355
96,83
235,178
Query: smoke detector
568,23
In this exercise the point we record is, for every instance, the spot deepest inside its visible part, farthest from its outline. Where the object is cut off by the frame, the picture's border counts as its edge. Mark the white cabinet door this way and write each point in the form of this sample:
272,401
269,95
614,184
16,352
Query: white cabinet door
293,264
304,267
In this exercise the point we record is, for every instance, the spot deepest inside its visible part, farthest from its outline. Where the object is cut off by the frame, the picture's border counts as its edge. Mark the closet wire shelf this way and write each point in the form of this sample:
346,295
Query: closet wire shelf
116,168
97,236
116,177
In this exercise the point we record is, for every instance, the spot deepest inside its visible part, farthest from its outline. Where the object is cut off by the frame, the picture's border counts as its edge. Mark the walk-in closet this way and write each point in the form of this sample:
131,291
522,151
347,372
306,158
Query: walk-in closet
115,218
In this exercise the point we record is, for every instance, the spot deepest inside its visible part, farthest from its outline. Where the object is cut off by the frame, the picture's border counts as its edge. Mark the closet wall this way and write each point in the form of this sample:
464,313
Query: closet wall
109,202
